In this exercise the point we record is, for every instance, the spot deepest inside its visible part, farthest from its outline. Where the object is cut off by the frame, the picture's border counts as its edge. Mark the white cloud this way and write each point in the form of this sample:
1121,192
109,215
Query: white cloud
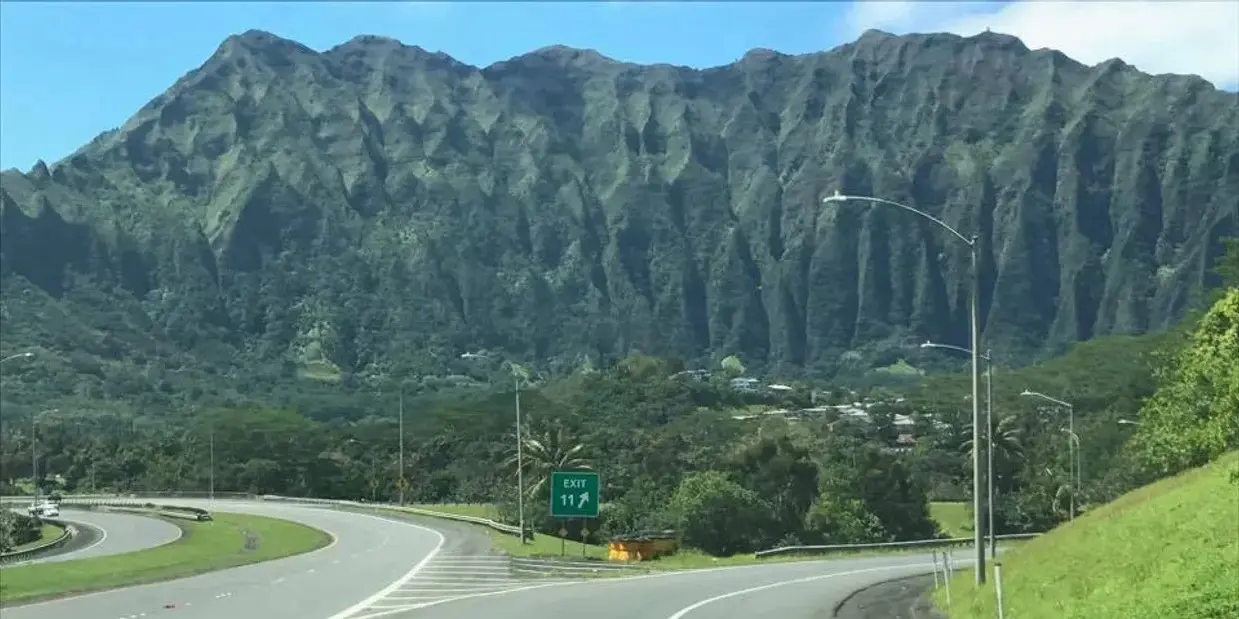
1186,37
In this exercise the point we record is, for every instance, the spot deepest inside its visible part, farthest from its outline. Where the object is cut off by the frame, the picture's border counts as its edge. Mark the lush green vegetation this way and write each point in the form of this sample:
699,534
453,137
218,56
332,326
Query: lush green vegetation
1165,551
669,448
47,533
19,531
229,540
1168,550
675,214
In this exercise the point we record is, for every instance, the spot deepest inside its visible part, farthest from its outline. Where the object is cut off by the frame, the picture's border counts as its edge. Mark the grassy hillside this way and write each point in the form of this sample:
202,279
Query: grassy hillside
1166,551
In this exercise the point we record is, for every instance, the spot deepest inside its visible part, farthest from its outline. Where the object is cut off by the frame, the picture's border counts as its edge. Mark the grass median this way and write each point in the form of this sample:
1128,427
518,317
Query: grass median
552,547
230,540
47,535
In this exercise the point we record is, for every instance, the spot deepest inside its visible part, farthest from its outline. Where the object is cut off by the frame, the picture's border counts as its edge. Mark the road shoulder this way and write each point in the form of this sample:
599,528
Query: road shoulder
904,598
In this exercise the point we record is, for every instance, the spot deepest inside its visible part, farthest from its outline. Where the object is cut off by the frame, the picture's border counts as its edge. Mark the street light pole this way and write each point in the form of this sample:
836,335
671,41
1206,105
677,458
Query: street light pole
211,472
989,450
975,320
34,460
20,355
1072,445
988,357
34,453
518,374
520,463
400,475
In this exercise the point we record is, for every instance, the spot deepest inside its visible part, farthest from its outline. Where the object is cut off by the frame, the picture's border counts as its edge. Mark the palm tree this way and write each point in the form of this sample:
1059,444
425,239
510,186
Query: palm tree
554,450
1007,444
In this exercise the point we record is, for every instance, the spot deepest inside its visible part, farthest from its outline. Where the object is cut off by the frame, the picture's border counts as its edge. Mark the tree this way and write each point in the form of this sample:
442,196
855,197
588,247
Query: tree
884,484
782,473
1227,266
717,515
731,366
840,520
1194,415
1008,447
554,451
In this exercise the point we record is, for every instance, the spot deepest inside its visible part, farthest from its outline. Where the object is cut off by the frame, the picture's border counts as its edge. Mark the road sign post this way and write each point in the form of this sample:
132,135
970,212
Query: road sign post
575,494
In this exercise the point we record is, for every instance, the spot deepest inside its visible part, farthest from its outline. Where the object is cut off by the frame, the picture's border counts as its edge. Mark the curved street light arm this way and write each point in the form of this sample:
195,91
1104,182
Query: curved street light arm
970,241
1047,398
966,351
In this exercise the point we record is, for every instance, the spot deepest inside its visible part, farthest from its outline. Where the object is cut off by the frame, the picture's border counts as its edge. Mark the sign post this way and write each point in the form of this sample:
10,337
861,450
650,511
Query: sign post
575,494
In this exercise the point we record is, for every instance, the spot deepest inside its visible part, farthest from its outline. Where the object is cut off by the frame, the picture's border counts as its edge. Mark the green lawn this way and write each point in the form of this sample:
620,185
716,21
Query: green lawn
229,540
954,519
48,535
550,546
1166,551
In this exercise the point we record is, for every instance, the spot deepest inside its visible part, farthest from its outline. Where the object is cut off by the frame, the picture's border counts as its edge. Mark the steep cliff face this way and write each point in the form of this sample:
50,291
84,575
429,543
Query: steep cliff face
342,209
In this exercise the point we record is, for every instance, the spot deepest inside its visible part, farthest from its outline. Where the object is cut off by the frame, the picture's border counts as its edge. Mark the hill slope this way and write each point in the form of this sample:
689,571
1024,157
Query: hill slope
375,210
1165,551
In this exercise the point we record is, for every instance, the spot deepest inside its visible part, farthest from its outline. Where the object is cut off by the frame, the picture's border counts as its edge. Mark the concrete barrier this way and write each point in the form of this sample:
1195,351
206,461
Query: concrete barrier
67,533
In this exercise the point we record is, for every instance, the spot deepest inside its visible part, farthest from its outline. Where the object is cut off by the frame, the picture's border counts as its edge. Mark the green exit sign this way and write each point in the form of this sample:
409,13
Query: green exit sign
575,494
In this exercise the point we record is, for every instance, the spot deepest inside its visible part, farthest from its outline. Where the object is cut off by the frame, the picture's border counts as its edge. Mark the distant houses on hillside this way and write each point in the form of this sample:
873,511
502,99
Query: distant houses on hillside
743,384
856,412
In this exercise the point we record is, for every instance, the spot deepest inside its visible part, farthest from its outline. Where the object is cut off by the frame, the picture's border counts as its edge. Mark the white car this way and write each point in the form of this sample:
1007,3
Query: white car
46,510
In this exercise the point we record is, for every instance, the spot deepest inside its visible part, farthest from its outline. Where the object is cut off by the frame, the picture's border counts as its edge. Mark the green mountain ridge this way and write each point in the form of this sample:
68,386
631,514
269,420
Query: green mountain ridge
375,210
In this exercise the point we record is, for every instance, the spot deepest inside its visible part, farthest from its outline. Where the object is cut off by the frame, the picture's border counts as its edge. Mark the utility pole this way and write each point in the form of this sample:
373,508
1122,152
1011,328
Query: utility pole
989,446
211,475
520,463
400,476
34,458
977,523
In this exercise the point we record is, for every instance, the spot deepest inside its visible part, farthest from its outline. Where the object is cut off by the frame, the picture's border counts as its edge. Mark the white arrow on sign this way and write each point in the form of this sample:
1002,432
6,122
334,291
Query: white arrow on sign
583,499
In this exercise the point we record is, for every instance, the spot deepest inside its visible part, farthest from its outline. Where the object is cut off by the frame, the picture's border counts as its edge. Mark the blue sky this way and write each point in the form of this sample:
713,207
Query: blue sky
70,71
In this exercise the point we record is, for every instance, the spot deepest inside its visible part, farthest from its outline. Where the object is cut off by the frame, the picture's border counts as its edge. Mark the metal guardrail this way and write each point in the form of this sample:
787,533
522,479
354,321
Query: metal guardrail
97,499
511,529
67,533
951,542
486,522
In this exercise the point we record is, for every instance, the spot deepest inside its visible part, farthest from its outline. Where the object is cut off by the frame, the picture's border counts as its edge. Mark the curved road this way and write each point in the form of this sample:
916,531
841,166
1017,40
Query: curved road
119,533
368,553
379,567
791,590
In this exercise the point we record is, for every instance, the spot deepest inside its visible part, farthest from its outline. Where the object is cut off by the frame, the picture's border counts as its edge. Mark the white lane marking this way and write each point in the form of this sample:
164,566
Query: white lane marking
680,614
403,609
399,582
334,540
103,536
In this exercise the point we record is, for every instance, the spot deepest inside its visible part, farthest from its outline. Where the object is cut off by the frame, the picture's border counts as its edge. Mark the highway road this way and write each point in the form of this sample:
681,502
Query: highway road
432,569
368,553
792,590
116,534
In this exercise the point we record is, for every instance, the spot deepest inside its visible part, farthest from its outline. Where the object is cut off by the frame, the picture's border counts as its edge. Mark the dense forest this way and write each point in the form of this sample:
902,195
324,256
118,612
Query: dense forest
672,453
368,213
255,279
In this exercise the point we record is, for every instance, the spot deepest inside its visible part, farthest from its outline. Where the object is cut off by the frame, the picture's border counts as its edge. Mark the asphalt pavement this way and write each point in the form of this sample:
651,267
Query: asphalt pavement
432,569
369,555
791,590
116,534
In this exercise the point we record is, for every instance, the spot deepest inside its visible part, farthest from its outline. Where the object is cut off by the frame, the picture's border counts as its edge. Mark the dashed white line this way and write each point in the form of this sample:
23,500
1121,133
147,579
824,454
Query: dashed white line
410,575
